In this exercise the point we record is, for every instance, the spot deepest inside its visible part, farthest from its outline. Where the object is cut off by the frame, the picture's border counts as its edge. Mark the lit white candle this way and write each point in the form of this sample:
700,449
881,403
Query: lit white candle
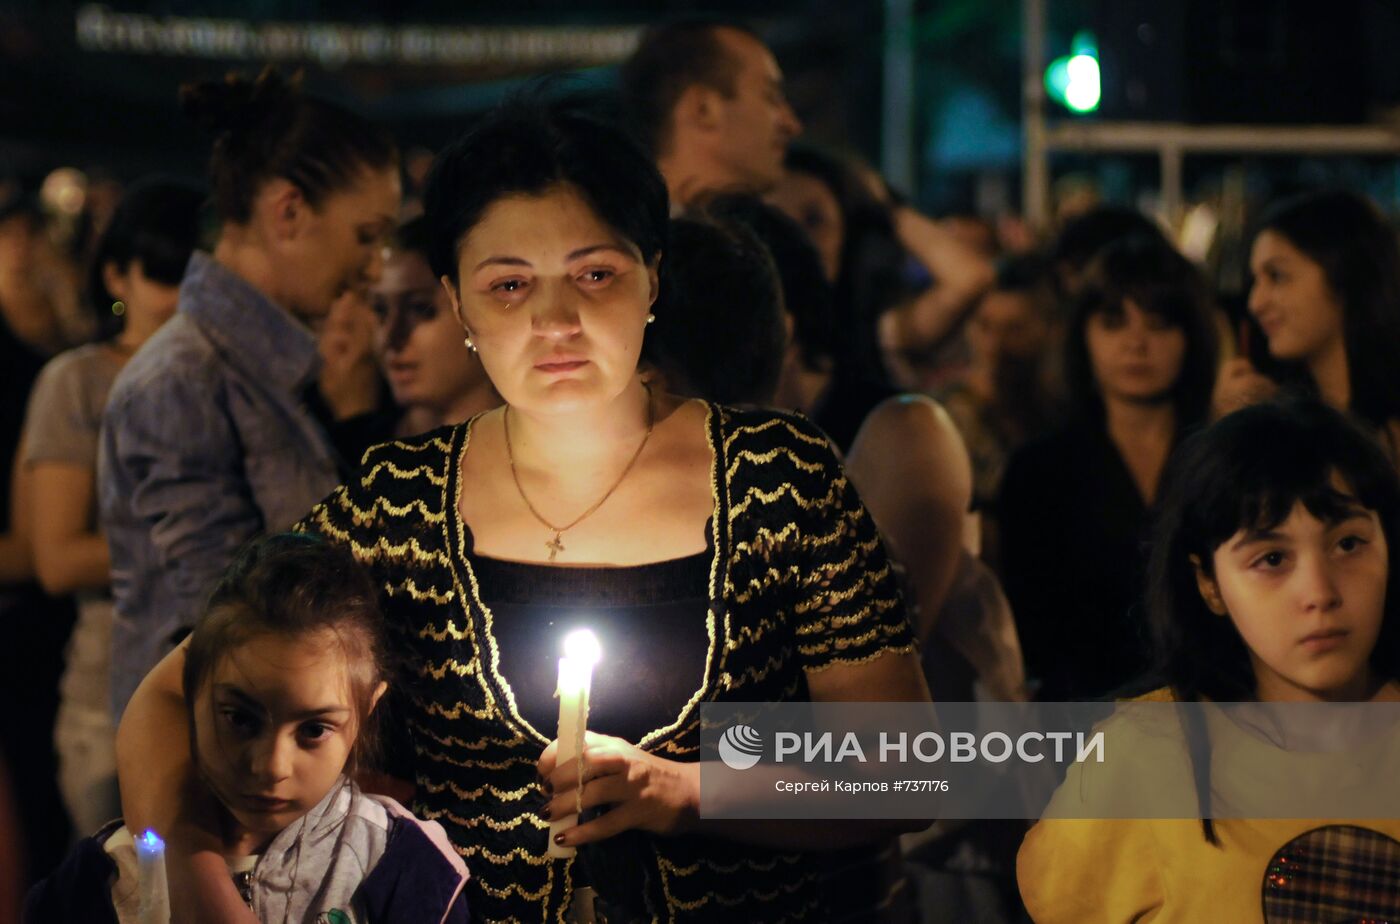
155,893
581,652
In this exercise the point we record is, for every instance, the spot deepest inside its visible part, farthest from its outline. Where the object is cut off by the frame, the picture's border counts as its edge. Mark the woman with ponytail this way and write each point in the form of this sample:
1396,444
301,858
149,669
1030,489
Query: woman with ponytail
207,441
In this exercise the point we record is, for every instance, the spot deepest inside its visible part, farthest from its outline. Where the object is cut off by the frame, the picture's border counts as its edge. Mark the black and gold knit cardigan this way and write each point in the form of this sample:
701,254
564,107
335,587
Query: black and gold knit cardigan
799,581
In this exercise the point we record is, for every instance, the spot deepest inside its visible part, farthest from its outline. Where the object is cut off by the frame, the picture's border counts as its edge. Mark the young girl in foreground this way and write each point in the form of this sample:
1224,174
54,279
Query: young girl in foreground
281,678
1269,583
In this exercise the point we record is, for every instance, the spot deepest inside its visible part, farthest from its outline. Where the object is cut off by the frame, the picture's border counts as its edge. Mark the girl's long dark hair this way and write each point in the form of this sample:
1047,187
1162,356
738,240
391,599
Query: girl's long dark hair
1356,247
1248,471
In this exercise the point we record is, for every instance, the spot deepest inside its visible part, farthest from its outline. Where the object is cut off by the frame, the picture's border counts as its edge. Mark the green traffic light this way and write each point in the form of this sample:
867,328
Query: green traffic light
1073,80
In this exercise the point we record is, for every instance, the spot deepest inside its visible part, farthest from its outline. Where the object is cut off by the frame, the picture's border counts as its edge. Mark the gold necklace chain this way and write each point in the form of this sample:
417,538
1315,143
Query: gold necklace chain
556,544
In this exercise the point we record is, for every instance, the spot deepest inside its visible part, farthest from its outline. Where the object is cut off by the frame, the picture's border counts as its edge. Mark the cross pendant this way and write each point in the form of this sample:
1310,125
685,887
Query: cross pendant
555,546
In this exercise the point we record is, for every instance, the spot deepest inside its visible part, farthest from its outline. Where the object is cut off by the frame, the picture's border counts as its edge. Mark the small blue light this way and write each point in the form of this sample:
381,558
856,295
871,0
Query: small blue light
151,840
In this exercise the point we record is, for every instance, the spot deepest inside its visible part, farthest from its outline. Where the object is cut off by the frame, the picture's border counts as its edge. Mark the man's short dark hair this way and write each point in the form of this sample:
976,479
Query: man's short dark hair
671,58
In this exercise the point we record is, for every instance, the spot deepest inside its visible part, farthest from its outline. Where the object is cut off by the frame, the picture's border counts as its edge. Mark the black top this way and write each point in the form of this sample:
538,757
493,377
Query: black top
650,623
1073,534
845,404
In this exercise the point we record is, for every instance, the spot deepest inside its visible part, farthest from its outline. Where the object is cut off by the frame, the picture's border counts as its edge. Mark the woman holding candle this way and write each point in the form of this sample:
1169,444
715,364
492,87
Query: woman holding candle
717,554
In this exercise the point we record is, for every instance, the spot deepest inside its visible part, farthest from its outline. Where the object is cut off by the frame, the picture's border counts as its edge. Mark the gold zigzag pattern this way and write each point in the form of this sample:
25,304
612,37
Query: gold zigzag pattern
452,741
765,582
369,515
449,631
829,623
764,458
403,474
468,795
384,550
840,643
449,666
437,443
459,709
478,821
839,660
510,856
515,888
753,674
748,635
746,430
432,595
831,498
825,597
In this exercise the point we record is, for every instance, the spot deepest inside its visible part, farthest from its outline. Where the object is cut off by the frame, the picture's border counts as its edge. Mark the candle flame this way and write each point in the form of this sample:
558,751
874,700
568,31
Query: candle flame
582,646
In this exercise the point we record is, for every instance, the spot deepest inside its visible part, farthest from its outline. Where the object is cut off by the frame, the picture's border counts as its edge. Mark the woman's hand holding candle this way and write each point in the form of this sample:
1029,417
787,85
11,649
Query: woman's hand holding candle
643,791
581,652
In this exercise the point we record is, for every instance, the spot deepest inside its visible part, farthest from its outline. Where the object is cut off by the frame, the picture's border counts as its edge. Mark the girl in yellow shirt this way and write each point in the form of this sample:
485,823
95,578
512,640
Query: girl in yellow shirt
1268,582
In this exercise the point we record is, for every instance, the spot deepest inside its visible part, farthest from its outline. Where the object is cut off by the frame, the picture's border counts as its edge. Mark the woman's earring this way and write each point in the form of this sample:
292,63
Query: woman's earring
651,318
471,346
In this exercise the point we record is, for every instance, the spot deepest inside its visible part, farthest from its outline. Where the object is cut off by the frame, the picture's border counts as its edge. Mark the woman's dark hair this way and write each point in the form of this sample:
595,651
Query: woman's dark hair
157,222
806,295
1158,280
722,335
871,277
1083,236
527,146
295,585
1247,472
1356,247
267,128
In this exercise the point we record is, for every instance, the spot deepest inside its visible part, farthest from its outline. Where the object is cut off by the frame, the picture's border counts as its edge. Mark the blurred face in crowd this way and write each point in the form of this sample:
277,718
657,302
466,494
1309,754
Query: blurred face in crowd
274,726
337,246
811,203
1135,355
418,339
1308,598
755,124
1007,327
555,300
1292,300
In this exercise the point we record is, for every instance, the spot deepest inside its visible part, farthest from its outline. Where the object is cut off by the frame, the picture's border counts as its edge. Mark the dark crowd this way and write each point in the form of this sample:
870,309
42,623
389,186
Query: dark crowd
312,466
